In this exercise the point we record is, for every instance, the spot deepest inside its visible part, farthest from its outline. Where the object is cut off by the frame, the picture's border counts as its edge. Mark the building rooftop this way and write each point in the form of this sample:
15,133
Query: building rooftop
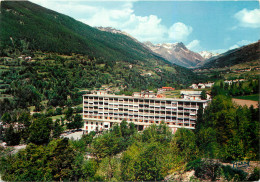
147,98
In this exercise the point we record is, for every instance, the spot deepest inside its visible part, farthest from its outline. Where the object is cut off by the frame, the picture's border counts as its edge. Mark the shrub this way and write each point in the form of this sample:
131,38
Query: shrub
255,175
205,169
230,173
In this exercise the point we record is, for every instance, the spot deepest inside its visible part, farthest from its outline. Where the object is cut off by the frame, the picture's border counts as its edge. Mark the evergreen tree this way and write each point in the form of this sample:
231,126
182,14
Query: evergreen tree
12,137
203,95
6,118
77,121
40,131
61,162
69,114
57,129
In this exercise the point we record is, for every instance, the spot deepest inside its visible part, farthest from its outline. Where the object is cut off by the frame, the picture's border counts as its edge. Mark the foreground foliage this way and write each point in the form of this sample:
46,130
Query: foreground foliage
225,132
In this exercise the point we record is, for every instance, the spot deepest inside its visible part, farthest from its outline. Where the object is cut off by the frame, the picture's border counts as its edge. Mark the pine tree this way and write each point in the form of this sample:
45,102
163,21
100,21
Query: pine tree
12,137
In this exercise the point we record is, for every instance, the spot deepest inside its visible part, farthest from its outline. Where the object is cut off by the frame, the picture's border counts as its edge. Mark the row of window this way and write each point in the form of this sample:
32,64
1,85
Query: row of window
142,105
168,118
136,113
175,122
90,109
106,100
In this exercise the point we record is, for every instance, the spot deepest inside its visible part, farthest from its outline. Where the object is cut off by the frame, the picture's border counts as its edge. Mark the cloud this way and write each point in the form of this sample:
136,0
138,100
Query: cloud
244,42
240,44
114,17
248,18
194,46
218,51
179,31
236,45
144,28
147,28
121,15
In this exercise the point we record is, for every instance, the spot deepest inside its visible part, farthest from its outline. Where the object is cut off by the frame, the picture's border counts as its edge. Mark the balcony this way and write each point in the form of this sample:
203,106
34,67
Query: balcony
186,105
194,106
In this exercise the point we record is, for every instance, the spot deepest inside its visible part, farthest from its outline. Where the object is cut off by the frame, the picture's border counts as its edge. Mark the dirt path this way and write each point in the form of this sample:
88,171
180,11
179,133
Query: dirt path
246,102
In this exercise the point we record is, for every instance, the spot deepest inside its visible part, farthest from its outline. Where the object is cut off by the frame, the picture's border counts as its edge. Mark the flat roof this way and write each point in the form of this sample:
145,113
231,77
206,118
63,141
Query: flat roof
148,98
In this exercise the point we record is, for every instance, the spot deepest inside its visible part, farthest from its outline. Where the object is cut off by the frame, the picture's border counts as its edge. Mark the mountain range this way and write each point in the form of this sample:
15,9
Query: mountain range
176,53
26,27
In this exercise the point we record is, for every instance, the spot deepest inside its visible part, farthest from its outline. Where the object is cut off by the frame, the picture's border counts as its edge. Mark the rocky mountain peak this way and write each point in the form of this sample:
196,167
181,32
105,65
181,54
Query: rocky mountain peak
181,45
176,53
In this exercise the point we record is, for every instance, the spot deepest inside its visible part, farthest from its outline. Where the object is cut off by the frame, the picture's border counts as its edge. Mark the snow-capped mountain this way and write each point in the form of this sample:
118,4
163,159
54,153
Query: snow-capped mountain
207,54
176,53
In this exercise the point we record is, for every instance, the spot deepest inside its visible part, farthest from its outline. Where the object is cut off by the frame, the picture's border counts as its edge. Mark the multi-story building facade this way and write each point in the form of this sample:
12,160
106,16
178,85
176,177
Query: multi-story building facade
101,111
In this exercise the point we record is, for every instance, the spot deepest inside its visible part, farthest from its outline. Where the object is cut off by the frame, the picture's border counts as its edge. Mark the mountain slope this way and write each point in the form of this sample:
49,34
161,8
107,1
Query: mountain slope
27,28
46,30
176,53
240,55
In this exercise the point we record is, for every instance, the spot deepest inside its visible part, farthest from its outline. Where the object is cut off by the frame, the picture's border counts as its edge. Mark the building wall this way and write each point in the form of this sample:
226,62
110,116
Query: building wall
101,110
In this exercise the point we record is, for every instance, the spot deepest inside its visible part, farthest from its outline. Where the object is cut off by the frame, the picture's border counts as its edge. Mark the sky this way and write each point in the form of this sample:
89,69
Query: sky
205,25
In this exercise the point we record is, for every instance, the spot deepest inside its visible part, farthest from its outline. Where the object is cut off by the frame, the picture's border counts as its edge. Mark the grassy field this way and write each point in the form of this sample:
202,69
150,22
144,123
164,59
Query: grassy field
42,102
172,94
57,117
80,105
3,96
254,97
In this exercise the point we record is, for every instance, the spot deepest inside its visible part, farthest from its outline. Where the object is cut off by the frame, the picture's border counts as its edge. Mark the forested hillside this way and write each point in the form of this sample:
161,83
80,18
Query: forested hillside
25,25
50,56
58,79
240,55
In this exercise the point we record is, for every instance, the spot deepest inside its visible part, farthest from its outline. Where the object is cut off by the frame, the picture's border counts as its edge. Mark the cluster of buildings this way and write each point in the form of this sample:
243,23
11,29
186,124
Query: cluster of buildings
229,82
26,58
202,85
101,110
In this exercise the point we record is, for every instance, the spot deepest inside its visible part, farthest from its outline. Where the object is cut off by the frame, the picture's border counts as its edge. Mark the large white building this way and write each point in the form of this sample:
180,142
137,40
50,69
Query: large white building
192,95
101,111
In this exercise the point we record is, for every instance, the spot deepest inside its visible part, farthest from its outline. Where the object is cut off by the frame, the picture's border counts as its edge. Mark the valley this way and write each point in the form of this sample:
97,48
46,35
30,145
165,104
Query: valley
93,103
